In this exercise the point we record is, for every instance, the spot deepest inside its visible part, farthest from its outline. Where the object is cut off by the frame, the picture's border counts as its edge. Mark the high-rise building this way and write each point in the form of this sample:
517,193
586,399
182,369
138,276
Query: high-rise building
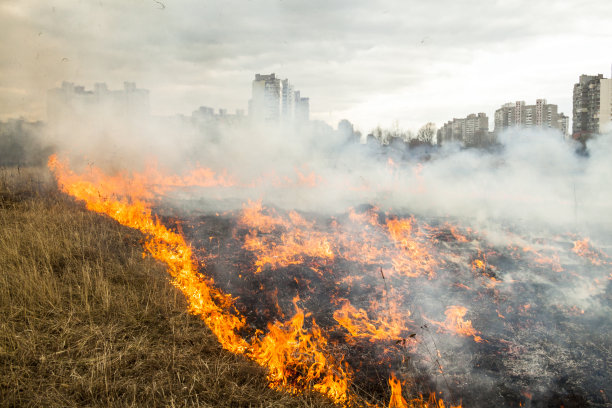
302,108
274,99
288,101
542,114
472,130
592,111
265,101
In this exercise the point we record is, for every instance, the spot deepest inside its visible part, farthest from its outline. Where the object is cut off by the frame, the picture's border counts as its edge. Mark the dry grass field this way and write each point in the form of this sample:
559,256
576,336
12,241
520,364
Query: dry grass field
85,320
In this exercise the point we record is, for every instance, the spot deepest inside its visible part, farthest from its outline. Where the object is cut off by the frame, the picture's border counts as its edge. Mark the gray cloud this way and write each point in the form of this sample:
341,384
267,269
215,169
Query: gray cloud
342,55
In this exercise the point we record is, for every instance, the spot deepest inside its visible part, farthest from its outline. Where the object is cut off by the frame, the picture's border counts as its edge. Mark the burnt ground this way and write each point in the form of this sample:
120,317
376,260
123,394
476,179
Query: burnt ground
546,325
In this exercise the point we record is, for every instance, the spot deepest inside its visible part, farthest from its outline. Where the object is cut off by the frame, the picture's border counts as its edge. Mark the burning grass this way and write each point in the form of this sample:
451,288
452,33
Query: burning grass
387,308
86,320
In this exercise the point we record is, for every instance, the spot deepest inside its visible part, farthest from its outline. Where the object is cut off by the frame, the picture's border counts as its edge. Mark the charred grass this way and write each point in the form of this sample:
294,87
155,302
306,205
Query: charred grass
86,320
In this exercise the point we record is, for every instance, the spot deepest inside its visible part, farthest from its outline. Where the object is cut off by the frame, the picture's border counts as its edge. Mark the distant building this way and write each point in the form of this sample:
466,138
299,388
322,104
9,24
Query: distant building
274,99
287,101
471,131
266,96
205,116
592,105
302,108
75,102
346,130
518,114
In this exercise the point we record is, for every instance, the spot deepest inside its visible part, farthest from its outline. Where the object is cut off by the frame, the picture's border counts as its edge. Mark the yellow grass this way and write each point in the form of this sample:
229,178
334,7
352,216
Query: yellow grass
85,320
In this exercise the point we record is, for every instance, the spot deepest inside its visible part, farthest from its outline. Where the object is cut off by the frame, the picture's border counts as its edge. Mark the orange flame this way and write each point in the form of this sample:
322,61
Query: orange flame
584,249
163,245
295,358
124,199
454,323
414,259
359,325
396,401
298,240
295,351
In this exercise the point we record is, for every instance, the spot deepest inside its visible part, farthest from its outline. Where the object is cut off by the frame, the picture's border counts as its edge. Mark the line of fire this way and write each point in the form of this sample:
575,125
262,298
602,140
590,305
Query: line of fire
371,306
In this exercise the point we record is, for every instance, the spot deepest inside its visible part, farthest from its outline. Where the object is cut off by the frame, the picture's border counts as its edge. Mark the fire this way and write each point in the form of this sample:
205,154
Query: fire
309,180
296,359
366,275
414,258
298,240
549,262
478,265
396,401
359,325
584,249
454,323
456,234
294,356
163,244
301,240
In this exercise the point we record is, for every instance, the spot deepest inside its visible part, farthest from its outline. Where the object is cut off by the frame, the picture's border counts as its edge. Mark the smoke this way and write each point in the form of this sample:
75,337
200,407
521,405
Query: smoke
537,307
534,177
22,143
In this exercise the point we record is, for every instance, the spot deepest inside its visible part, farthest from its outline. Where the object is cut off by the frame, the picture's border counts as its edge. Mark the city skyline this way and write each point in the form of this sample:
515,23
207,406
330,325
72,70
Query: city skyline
373,65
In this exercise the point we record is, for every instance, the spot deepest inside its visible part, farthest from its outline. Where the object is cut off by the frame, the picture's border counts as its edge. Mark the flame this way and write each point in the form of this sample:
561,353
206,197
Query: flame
478,265
301,240
298,240
294,355
295,351
456,234
359,325
396,401
295,358
164,245
310,180
414,259
584,249
550,262
454,323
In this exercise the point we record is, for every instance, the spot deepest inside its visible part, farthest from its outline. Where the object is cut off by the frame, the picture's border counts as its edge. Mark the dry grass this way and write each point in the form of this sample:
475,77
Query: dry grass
86,321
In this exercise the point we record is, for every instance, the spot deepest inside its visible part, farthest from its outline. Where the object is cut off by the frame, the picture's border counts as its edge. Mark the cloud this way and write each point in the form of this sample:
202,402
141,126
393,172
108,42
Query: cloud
342,55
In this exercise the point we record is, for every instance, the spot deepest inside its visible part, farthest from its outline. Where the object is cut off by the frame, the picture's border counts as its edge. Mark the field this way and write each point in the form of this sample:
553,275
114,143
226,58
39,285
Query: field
87,320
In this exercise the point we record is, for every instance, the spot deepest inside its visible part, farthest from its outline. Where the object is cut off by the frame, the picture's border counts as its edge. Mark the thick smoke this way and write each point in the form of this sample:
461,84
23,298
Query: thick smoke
535,176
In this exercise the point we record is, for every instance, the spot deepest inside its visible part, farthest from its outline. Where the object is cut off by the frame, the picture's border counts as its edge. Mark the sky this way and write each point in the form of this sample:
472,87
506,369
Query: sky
387,63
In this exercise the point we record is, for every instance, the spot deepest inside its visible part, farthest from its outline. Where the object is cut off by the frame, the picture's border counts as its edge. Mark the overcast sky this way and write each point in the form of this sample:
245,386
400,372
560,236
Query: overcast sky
373,63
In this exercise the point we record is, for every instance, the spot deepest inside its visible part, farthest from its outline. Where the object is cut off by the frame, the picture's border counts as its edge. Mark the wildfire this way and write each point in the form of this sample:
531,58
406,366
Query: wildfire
163,244
396,401
454,323
360,274
584,249
294,351
296,359
359,325
413,259
204,300
298,239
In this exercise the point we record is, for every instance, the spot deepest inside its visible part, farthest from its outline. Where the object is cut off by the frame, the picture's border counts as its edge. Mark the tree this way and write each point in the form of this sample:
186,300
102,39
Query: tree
426,133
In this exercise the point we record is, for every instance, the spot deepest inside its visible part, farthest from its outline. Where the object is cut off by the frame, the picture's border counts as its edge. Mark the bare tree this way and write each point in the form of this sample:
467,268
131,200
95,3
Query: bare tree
426,133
